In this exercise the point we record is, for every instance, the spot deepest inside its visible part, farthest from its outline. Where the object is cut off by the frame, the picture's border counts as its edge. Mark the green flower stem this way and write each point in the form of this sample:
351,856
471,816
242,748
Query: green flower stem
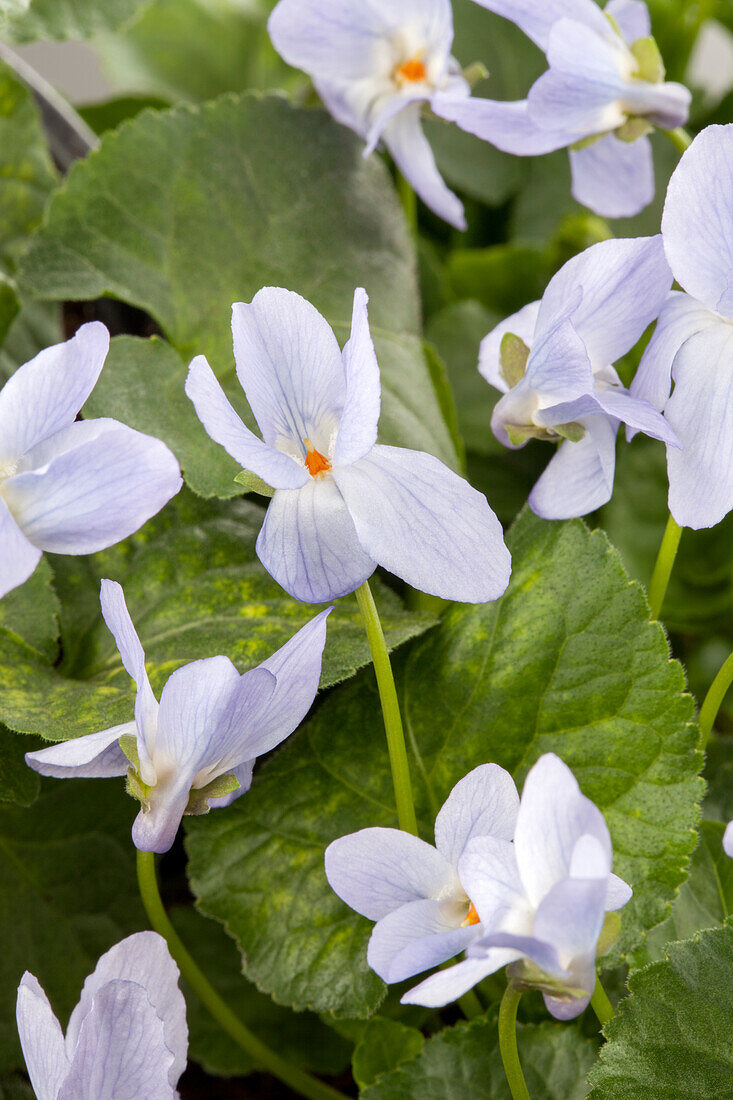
390,710
508,1043
713,700
408,198
261,1054
663,567
679,138
601,1005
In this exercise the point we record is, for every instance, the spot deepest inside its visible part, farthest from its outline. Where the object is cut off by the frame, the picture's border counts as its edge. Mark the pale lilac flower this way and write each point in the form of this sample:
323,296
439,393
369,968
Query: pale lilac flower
343,504
728,839
542,900
554,363
195,750
127,1037
375,66
603,92
412,889
68,486
693,342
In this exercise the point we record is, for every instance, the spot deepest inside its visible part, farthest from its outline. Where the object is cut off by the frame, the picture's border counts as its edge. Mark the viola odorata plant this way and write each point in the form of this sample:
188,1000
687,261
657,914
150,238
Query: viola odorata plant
542,899
554,363
127,1036
603,93
412,889
692,345
376,66
343,503
195,749
58,474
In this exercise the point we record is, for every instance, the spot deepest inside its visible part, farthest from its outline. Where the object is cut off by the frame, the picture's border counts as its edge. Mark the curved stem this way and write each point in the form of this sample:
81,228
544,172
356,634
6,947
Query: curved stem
408,198
261,1054
66,125
714,698
601,1005
508,1043
663,567
679,138
390,710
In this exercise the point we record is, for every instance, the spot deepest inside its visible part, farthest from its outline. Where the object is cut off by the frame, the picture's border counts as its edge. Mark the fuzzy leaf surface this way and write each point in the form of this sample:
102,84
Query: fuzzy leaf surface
674,1033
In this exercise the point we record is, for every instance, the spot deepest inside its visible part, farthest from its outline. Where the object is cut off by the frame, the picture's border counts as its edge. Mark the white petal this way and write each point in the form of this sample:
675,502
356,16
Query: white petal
701,412
483,803
697,224
558,367
565,1008
122,629
411,152
155,828
297,671
570,918
98,755
334,38
95,494
41,1038
225,427
289,365
553,816
418,936
448,985
121,1052
521,324
358,427
426,525
639,414
582,89
536,17
728,839
236,736
618,893
144,959
624,285
680,318
308,543
46,394
507,125
613,178
201,707
375,871
18,556
490,876
632,18
579,478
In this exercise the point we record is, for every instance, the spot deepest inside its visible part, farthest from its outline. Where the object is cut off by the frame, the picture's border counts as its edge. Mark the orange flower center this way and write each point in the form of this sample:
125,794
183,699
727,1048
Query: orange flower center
413,71
472,918
317,465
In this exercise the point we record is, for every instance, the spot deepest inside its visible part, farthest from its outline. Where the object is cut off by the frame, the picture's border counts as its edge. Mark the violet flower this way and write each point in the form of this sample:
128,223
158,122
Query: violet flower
194,750
127,1037
542,900
68,486
693,342
602,95
412,889
553,360
342,503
